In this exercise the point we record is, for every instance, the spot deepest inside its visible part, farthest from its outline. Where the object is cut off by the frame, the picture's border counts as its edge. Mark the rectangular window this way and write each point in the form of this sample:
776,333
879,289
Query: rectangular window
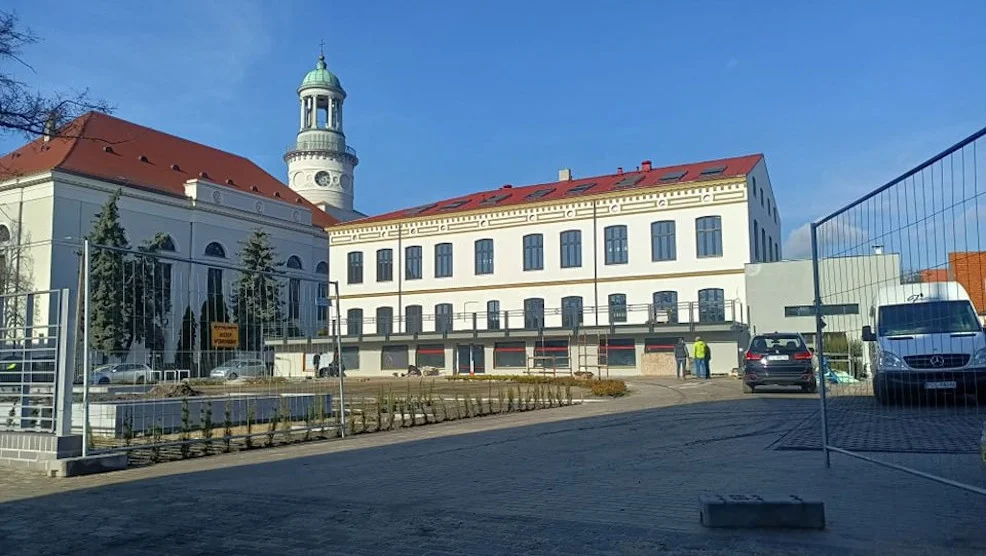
443,260
534,313
666,307
770,244
430,355
413,317
571,249
809,310
571,311
551,354
510,354
294,299
443,317
708,236
533,252
412,262
354,269
660,345
385,265
350,358
756,242
763,241
616,244
492,315
394,358
323,301
484,256
385,321
619,352
617,307
354,322
711,305
215,282
662,241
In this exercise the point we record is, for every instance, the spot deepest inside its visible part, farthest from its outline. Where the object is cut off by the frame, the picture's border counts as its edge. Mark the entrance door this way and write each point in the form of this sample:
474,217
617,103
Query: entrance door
471,358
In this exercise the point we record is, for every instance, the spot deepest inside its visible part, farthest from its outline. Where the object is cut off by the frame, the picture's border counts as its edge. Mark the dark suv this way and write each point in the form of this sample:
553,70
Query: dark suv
780,359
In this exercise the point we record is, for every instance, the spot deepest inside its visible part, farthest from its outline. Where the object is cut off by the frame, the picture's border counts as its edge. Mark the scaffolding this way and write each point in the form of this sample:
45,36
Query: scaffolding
592,353
545,364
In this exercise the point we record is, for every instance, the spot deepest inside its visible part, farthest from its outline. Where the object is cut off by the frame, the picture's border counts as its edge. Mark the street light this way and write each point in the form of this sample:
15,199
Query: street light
472,358
342,372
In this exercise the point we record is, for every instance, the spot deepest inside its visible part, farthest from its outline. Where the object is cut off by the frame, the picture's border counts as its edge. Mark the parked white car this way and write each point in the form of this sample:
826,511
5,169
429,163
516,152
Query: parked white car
123,373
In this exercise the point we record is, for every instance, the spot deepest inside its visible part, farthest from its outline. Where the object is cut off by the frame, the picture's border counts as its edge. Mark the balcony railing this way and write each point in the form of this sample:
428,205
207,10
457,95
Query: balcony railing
556,318
314,145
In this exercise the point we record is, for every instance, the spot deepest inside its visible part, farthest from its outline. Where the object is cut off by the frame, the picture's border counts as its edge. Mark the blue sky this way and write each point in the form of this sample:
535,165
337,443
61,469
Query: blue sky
451,97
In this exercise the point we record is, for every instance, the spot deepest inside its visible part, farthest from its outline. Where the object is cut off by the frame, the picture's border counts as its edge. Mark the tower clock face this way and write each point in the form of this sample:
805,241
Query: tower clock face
323,179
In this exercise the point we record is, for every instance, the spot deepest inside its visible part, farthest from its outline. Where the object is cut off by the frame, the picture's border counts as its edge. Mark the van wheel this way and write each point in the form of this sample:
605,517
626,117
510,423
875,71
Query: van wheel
140,380
231,376
747,389
881,392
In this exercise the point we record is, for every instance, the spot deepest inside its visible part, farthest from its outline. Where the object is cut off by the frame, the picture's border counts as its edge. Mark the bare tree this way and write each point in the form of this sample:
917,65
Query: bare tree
23,109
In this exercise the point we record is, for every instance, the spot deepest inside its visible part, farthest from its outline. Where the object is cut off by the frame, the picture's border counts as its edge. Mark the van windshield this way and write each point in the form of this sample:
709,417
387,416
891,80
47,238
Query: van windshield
935,317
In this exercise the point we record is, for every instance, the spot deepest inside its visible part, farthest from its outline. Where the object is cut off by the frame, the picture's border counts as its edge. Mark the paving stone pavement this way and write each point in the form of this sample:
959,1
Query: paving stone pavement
620,477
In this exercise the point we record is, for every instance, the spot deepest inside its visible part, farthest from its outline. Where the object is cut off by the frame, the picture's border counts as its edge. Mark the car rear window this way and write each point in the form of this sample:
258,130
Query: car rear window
778,343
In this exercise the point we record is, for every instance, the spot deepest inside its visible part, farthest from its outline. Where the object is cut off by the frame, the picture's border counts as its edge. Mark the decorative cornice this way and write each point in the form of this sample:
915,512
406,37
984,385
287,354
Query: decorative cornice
608,205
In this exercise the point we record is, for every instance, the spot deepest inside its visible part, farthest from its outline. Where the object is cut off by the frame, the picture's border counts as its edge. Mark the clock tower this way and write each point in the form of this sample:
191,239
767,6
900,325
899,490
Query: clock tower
320,165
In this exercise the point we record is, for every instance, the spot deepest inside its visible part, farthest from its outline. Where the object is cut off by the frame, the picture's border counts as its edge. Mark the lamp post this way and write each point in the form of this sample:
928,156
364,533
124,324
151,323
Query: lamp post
472,359
342,373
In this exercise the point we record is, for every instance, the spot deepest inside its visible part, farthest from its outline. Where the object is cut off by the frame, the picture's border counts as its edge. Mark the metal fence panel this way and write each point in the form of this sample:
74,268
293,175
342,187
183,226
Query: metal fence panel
182,356
911,255
33,327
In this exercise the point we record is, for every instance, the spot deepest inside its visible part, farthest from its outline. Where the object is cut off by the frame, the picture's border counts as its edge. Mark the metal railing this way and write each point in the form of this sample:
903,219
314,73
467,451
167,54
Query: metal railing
33,334
641,314
316,145
919,403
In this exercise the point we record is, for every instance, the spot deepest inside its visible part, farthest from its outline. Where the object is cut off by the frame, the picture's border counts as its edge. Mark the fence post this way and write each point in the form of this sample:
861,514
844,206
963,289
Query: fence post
85,348
340,366
819,343
63,380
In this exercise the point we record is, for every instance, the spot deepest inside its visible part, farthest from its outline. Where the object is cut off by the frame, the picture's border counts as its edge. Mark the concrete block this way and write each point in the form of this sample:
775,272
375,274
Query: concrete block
753,511
102,463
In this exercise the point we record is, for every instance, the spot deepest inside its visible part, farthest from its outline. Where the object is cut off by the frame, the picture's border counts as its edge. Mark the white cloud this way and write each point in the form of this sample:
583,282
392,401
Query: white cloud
834,238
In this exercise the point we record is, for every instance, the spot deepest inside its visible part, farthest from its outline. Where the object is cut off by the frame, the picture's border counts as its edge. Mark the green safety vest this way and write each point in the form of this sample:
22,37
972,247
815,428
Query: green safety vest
700,350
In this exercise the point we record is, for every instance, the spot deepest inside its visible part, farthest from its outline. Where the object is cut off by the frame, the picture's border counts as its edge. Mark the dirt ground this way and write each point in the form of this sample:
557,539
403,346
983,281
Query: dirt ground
356,388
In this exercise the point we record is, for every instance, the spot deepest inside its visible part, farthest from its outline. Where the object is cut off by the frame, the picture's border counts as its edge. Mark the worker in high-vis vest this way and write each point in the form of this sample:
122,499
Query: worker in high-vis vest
699,362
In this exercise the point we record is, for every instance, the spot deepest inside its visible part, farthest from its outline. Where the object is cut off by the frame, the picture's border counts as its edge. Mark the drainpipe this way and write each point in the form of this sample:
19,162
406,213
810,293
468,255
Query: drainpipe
595,264
401,327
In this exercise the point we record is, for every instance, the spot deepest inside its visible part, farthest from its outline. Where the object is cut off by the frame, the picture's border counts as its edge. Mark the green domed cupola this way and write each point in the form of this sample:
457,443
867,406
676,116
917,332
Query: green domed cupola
320,77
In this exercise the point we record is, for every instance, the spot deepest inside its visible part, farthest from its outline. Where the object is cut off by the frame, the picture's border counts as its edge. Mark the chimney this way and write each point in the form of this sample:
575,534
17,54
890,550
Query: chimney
645,166
49,129
619,171
565,174
877,249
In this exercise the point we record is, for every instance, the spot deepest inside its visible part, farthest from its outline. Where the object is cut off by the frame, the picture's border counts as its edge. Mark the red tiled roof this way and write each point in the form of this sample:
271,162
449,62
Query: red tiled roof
507,196
100,146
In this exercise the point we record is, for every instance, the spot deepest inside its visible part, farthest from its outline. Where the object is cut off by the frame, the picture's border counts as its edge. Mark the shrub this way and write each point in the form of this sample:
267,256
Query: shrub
227,425
612,388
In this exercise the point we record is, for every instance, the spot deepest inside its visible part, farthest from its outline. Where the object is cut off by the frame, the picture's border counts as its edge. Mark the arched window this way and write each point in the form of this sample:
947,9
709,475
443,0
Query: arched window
215,250
294,262
322,268
4,233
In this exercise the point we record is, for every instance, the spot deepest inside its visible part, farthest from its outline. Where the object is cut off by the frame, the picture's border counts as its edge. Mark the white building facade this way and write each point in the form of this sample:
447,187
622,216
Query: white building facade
530,271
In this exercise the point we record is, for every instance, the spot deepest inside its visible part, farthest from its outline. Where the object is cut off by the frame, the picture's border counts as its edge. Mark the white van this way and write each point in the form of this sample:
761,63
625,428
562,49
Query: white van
925,338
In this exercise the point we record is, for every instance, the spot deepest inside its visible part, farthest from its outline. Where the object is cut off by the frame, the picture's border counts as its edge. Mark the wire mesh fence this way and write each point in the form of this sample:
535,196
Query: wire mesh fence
910,258
180,353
